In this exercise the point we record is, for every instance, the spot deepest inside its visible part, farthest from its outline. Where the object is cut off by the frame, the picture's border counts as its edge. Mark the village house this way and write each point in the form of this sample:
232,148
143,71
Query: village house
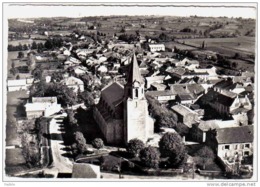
74,83
225,104
17,85
156,47
185,115
158,86
231,143
198,131
162,96
157,79
42,106
187,94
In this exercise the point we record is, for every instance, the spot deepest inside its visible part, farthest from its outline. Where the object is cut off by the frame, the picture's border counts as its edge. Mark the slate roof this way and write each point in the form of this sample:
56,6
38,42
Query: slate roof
213,96
134,72
160,93
82,170
112,94
71,81
182,110
244,134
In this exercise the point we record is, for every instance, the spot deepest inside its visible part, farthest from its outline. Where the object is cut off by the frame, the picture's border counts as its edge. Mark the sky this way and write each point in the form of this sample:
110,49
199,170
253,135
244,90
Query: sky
55,10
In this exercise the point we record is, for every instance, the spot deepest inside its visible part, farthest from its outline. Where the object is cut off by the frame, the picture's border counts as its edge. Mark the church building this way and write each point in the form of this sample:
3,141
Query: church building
122,112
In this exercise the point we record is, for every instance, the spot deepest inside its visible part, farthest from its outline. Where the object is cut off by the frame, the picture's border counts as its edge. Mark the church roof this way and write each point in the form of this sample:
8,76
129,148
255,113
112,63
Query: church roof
113,93
134,72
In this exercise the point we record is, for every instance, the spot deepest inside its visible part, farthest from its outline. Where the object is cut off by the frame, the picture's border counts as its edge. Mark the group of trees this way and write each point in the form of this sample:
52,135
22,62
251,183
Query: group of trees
128,37
30,140
80,146
19,47
64,94
39,46
52,43
163,116
171,148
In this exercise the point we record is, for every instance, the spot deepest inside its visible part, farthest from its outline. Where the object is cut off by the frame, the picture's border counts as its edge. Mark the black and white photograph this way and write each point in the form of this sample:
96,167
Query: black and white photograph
129,91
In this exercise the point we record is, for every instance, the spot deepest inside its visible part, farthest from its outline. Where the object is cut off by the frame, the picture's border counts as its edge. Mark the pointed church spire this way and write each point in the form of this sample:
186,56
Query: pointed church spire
134,72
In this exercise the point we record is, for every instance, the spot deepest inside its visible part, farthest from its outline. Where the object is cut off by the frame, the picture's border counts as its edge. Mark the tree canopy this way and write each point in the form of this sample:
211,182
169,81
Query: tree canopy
171,146
204,156
150,157
134,147
98,143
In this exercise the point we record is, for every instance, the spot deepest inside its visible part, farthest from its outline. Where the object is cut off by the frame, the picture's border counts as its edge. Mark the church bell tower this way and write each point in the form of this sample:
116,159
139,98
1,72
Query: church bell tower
137,122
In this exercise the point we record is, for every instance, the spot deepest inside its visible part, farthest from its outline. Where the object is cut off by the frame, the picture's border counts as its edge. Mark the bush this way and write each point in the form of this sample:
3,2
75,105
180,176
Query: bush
98,143
134,147
150,157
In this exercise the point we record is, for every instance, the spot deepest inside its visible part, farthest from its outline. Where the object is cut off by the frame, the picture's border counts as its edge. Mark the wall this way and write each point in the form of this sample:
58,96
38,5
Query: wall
16,88
239,148
34,114
136,120
52,110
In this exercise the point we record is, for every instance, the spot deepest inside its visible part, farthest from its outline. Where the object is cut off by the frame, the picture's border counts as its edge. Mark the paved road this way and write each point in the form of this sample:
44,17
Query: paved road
179,177
60,162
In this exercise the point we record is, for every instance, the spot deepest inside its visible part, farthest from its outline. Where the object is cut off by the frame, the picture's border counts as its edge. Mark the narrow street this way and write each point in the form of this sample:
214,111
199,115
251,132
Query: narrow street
60,161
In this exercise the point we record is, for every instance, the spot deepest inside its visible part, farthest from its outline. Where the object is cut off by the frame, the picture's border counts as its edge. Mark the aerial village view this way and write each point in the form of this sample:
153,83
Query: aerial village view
130,97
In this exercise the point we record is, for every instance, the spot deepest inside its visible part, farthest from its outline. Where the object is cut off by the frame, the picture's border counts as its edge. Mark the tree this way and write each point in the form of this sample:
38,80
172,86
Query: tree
97,143
87,98
20,54
14,71
82,147
71,118
13,65
204,156
79,138
134,147
150,157
164,117
34,45
171,146
18,77
203,45
37,72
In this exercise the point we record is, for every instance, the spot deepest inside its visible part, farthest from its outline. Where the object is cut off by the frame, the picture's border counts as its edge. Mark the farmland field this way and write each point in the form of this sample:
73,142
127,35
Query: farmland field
12,57
179,46
228,46
22,42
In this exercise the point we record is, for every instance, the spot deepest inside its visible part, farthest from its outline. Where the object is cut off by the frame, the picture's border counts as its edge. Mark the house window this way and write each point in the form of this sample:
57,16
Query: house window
247,145
235,147
227,147
246,153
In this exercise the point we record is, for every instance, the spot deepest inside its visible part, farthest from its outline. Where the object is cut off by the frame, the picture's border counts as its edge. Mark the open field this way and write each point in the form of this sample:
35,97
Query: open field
22,42
12,57
228,46
14,109
14,159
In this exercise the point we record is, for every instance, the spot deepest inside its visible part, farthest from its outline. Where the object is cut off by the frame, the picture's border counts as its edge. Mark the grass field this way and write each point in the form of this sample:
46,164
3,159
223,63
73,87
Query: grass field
12,57
14,157
228,46
14,109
